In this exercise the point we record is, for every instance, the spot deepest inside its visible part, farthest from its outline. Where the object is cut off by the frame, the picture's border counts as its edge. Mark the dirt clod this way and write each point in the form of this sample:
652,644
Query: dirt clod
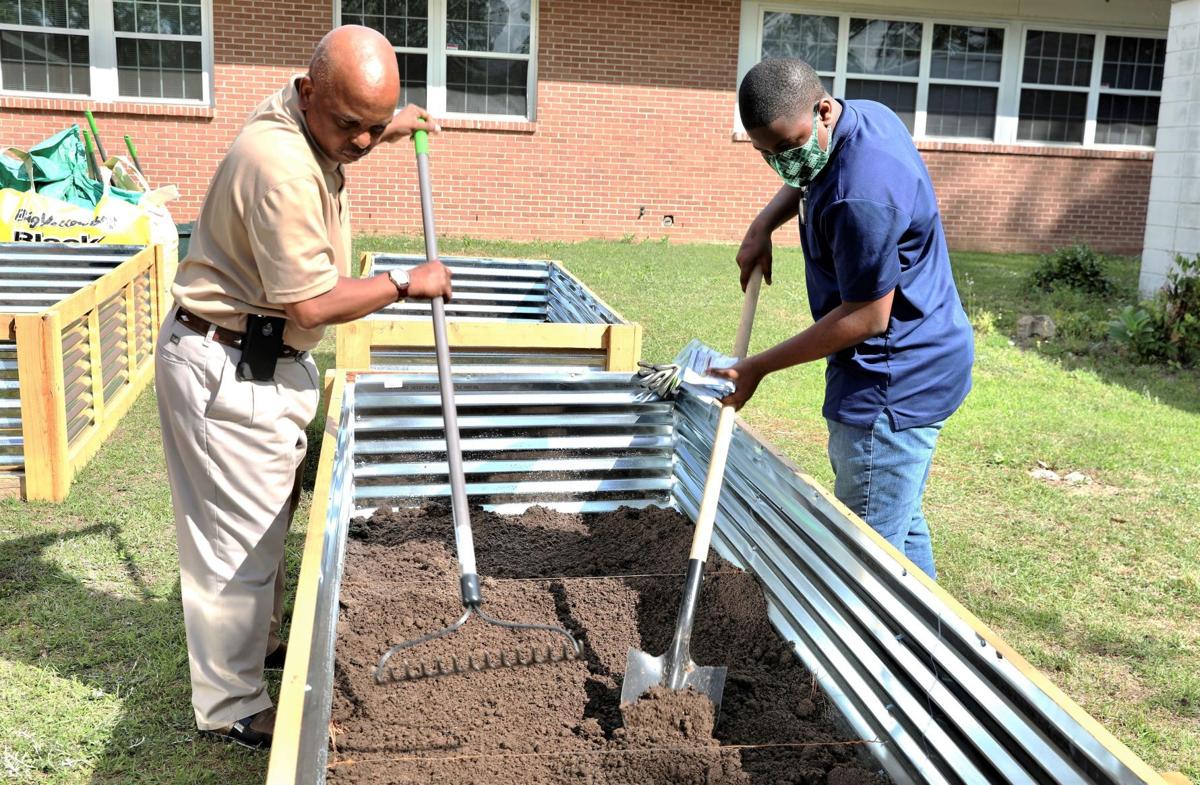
614,580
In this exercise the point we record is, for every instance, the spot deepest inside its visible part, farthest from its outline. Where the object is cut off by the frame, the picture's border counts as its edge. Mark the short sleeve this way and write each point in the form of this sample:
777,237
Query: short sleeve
291,244
864,237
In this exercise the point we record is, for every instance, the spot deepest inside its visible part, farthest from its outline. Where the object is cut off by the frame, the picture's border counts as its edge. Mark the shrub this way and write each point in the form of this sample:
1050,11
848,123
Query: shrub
1135,328
1166,328
1075,267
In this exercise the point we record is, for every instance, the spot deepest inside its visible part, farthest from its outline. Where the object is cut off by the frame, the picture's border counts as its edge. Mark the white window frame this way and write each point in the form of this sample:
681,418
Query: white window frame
1008,99
921,124
67,31
1093,90
921,80
435,63
102,44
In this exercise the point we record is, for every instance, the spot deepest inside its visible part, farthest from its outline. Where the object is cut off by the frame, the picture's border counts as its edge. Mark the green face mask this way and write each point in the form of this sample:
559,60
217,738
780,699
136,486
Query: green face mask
800,165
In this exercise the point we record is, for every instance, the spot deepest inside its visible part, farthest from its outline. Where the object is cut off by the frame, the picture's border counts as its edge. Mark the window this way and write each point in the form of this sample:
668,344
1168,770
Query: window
159,49
964,81
811,38
1090,88
44,46
467,57
1130,83
1002,82
108,50
889,53
406,25
1055,76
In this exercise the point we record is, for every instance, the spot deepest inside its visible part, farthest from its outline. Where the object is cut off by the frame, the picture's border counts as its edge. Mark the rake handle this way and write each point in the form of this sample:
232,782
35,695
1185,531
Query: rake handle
137,164
95,133
464,541
679,655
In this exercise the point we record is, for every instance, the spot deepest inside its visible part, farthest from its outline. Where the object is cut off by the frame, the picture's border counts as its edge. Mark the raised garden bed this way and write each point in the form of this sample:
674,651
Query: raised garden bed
921,685
77,331
561,722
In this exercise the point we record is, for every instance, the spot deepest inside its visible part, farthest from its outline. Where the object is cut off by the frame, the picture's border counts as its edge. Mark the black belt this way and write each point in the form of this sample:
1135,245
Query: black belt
221,335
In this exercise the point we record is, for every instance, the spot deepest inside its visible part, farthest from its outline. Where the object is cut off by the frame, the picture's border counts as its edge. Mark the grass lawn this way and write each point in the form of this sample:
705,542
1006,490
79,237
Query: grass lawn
1097,584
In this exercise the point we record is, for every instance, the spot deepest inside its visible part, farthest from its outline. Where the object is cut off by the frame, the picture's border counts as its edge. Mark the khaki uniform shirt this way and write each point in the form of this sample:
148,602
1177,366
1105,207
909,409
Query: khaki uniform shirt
274,228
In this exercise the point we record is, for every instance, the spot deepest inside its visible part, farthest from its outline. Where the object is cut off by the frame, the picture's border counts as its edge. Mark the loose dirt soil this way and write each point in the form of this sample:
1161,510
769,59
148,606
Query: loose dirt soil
561,722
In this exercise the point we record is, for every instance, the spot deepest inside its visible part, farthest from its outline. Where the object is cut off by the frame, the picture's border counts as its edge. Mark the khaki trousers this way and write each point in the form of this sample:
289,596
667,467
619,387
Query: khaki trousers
234,451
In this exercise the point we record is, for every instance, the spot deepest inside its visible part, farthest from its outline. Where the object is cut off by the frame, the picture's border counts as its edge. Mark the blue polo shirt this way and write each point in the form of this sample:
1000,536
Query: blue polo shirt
871,225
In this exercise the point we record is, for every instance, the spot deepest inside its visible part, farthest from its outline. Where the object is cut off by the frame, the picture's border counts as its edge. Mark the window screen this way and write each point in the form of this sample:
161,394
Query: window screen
55,59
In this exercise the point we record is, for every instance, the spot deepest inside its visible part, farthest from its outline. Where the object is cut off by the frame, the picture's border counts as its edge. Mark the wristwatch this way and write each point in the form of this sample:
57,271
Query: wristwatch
399,279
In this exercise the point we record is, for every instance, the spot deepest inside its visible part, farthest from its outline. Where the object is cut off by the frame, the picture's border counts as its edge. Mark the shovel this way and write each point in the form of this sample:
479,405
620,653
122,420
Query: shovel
675,670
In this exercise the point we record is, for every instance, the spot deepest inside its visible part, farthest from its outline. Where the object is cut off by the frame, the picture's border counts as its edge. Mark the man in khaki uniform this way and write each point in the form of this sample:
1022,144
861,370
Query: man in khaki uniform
273,240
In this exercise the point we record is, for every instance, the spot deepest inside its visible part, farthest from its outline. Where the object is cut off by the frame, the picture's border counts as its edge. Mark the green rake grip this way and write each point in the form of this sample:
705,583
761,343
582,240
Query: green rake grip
92,124
134,156
93,164
421,142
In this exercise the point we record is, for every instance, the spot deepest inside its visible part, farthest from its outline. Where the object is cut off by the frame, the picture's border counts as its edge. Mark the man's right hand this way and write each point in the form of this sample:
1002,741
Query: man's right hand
429,280
755,252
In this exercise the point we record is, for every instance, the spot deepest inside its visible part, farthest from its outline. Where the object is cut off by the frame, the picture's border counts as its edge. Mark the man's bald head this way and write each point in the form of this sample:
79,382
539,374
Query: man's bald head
351,91
358,58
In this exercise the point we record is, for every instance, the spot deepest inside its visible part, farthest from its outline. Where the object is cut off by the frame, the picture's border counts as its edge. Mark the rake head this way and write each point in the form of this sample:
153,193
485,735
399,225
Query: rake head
512,658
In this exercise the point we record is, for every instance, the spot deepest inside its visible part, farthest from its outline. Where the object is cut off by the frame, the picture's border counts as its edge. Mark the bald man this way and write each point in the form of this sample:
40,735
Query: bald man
267,270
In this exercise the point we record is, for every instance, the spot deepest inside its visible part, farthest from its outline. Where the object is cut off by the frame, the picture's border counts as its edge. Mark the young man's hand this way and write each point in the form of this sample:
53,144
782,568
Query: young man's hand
429,280
746,375
755,252
409,119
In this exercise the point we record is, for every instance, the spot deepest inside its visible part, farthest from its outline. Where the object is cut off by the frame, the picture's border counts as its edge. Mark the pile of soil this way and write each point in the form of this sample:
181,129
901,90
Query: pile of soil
561,722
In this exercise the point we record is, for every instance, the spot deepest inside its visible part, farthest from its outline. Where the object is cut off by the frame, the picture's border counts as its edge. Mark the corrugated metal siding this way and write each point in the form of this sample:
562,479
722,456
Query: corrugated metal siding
570,441
12,453
34,276
114,344
77,378
509,290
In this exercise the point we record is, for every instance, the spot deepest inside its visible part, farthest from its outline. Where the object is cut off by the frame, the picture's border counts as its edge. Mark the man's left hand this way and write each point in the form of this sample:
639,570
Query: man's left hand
409,119
746,375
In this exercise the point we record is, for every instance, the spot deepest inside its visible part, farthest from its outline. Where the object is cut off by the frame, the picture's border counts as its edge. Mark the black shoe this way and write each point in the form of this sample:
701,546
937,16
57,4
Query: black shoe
254,732
274,660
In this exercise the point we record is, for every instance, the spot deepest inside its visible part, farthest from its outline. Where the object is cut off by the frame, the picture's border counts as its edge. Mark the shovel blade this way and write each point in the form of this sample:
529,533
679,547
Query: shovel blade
644,672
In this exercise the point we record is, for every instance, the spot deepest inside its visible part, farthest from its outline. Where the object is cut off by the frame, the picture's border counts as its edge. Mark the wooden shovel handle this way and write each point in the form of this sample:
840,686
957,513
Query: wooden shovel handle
702,537
741,344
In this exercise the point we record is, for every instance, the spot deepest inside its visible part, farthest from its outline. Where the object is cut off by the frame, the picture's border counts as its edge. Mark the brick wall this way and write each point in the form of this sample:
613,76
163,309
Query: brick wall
634,114
1035,199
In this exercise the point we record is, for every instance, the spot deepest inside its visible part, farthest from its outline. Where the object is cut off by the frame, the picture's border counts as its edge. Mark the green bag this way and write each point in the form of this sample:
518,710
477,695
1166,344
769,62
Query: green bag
60,170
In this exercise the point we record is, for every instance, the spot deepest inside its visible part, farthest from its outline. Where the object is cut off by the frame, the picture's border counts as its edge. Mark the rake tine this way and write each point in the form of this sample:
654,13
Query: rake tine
506,658
512,625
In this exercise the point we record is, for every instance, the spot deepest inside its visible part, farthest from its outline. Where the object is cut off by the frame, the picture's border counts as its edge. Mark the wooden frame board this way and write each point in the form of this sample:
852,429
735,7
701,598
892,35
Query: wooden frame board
620,344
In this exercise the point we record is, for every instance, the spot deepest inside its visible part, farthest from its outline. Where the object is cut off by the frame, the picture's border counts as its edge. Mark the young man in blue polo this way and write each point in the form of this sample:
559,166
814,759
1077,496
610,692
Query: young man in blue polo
888,319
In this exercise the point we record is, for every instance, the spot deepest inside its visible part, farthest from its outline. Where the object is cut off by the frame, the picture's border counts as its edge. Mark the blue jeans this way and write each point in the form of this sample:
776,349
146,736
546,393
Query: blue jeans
880,474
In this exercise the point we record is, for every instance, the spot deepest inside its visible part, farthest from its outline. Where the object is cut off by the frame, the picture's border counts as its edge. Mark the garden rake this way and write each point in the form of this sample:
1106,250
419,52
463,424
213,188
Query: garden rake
472,600
675,669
